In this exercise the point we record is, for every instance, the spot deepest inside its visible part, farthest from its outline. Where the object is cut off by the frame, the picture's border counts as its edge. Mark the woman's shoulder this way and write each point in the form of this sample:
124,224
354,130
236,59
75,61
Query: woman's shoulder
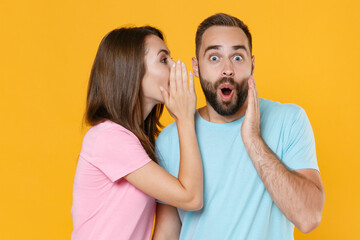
105,134
107,128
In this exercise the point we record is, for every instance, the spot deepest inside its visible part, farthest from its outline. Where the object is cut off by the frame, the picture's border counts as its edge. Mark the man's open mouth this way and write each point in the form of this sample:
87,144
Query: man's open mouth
226,91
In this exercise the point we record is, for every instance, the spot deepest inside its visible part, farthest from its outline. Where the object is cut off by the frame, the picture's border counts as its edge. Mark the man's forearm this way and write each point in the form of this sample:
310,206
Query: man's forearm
299,197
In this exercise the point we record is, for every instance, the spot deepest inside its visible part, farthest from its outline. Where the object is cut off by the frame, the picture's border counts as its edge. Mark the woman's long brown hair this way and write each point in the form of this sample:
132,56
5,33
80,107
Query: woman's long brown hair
114,91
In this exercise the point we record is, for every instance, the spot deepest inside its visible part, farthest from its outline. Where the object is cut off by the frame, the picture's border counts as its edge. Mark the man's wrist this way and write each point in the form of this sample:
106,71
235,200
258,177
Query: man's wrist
254,144
254,139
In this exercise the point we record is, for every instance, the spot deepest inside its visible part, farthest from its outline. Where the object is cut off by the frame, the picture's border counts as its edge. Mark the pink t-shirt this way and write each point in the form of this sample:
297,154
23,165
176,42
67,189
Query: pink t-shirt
105,205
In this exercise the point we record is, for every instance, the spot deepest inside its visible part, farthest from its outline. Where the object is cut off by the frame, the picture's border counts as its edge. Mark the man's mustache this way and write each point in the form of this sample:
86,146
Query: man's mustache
226,80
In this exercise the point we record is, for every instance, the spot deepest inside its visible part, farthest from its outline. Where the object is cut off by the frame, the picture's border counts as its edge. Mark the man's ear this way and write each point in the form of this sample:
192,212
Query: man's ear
195,67
252,65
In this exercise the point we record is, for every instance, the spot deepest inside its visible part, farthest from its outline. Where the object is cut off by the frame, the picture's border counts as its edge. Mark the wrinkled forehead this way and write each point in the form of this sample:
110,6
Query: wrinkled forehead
224,36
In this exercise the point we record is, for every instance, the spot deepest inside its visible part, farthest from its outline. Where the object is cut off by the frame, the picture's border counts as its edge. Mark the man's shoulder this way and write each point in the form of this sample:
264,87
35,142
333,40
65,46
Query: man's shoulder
166,144
277,109
169,131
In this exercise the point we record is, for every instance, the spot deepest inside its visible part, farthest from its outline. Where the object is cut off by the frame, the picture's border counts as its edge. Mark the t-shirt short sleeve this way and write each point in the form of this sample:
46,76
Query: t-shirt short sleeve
300,152
161,152
167,149
118,152
162,144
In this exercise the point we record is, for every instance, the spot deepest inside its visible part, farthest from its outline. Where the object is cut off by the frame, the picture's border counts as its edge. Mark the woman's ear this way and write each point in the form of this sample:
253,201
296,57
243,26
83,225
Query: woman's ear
195,67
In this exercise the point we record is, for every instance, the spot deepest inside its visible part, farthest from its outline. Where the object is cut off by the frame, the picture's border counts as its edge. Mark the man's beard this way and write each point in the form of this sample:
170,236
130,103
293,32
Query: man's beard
221,107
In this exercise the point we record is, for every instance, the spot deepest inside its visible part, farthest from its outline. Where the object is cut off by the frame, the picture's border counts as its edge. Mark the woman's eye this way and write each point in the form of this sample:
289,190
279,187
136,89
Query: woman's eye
164,60
238,58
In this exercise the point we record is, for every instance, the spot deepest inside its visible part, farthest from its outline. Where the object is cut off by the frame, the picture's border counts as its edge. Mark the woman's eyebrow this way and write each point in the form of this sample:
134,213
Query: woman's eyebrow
164,51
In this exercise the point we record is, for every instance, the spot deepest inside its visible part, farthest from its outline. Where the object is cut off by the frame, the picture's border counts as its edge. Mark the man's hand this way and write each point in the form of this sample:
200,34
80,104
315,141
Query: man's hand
250,129
298,194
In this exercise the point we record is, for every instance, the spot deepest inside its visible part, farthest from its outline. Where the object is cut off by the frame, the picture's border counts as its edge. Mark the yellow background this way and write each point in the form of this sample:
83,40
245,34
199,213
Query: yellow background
307,52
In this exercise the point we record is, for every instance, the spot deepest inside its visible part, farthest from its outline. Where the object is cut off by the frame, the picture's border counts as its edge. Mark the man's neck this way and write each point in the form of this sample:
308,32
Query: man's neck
209,114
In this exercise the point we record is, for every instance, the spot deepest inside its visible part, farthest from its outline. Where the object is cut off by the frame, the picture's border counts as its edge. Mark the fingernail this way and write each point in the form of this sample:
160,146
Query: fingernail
173,64
183,64
178,61
161,88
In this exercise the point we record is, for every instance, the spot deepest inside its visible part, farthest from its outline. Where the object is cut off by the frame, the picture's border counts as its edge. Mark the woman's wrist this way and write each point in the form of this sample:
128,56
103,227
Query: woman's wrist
186,120
185,123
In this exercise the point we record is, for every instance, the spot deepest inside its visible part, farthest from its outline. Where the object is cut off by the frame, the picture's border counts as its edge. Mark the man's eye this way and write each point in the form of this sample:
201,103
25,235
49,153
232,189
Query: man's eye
238,58
214,58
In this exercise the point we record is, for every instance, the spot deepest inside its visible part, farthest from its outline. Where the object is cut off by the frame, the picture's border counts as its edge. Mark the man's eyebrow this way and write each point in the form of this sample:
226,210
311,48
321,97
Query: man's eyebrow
239,47
164,51
216,47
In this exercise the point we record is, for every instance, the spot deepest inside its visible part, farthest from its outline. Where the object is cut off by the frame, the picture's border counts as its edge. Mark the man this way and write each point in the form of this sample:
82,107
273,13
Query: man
260,170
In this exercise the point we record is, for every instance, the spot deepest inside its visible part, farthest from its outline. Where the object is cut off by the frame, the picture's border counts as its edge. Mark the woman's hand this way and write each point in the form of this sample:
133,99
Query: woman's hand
185,191
181,101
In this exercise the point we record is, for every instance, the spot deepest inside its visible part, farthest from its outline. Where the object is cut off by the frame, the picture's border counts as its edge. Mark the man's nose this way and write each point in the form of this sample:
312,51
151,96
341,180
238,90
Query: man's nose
228,70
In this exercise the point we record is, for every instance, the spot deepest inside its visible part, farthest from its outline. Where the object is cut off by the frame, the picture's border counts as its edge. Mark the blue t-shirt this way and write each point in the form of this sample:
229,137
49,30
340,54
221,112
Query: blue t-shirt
236,202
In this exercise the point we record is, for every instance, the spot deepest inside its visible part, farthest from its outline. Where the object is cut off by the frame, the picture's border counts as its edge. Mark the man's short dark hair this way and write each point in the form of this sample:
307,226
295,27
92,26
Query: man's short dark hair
220,19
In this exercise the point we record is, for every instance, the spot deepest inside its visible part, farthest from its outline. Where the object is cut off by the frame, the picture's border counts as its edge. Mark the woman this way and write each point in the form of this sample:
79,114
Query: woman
117,177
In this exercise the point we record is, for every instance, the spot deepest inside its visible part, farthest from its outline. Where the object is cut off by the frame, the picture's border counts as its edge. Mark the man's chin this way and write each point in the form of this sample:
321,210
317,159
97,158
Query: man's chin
226,104
226,108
